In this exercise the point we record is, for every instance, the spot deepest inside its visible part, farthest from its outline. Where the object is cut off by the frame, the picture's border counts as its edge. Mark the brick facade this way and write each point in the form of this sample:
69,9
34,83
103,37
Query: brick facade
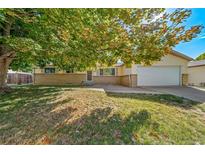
184,79
78,78
59,79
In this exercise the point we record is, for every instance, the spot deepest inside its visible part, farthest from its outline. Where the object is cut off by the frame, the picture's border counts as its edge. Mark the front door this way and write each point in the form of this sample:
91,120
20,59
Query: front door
89,76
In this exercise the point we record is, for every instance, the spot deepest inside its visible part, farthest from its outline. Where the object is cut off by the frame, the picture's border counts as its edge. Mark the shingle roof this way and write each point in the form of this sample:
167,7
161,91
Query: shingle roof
196,63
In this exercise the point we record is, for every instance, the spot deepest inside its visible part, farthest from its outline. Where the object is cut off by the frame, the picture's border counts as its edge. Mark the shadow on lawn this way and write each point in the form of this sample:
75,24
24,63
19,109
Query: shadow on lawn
32,95
159,98
31,127
102,127
29,113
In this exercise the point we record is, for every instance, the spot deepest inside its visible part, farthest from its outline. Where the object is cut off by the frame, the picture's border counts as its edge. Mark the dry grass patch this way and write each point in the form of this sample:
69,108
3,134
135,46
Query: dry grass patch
63,115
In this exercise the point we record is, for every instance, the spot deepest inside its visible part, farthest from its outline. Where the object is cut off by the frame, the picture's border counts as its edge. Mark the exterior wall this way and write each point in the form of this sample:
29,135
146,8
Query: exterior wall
127,71
38,70
77,78
59,79
129,80
94,73
124,80
196,75
120,71
123,70
184,79
106,79
133,80
171,60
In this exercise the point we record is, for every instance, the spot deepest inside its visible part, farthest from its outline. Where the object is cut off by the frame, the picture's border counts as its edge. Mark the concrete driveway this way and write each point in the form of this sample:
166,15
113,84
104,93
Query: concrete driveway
123,89
192,93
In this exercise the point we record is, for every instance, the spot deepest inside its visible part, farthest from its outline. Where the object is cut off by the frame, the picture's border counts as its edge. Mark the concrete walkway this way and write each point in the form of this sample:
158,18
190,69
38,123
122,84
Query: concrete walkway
192,93
123,89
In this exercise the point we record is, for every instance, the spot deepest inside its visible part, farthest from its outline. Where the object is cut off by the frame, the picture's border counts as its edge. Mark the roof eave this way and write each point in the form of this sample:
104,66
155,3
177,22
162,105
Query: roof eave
196,66
176,53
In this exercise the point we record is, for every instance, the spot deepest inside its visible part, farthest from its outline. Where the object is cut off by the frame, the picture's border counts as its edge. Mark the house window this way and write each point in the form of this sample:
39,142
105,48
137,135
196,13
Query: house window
49,70
70,71
112,71
107,71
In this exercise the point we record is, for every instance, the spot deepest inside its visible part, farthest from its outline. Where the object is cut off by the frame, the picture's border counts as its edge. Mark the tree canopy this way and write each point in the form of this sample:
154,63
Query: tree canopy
201,57
82,38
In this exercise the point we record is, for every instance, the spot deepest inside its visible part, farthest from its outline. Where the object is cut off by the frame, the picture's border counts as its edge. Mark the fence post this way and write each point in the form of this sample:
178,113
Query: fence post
16,78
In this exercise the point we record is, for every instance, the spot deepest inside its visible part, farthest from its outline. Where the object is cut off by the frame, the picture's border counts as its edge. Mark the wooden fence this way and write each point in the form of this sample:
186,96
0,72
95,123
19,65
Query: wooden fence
19,78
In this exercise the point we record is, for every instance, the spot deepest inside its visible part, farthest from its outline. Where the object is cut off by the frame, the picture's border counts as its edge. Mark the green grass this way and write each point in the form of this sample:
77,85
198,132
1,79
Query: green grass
64,115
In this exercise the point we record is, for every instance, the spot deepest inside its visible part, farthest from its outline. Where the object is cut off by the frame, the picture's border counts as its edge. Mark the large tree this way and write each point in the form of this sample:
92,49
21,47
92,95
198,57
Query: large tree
82,38
201,57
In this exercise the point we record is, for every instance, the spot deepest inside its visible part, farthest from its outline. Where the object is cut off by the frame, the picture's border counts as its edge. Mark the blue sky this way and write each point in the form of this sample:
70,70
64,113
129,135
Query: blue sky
197,45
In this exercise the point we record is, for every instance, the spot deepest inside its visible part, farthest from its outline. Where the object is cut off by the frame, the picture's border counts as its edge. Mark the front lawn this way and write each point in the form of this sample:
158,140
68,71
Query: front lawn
60,115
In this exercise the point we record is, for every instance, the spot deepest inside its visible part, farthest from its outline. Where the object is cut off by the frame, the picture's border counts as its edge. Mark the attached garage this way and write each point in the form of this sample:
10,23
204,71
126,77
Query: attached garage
158,76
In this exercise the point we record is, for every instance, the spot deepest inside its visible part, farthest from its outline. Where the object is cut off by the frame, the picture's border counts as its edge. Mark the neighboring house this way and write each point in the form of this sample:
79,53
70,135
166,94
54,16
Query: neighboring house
172,70
196,73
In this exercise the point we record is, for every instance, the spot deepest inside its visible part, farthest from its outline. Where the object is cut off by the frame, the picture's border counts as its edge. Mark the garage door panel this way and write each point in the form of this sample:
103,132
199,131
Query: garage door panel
158,76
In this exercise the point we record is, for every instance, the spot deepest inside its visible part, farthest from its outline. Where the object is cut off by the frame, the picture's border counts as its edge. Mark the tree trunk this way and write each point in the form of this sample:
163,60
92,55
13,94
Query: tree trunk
6,55
5,61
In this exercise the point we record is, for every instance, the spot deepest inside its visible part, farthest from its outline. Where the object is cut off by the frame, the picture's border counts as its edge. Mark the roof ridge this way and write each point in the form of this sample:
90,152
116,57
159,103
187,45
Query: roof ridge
182,55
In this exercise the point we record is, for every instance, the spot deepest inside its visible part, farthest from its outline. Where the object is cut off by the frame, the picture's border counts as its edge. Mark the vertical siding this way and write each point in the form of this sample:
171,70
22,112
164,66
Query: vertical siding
19,78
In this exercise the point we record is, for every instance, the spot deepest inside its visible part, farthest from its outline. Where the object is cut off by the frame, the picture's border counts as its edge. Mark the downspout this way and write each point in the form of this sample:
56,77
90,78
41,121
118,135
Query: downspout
130,82
34,76
180,77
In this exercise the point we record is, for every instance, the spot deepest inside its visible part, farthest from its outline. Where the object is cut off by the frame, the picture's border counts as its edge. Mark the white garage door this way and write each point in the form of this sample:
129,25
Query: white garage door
158,76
